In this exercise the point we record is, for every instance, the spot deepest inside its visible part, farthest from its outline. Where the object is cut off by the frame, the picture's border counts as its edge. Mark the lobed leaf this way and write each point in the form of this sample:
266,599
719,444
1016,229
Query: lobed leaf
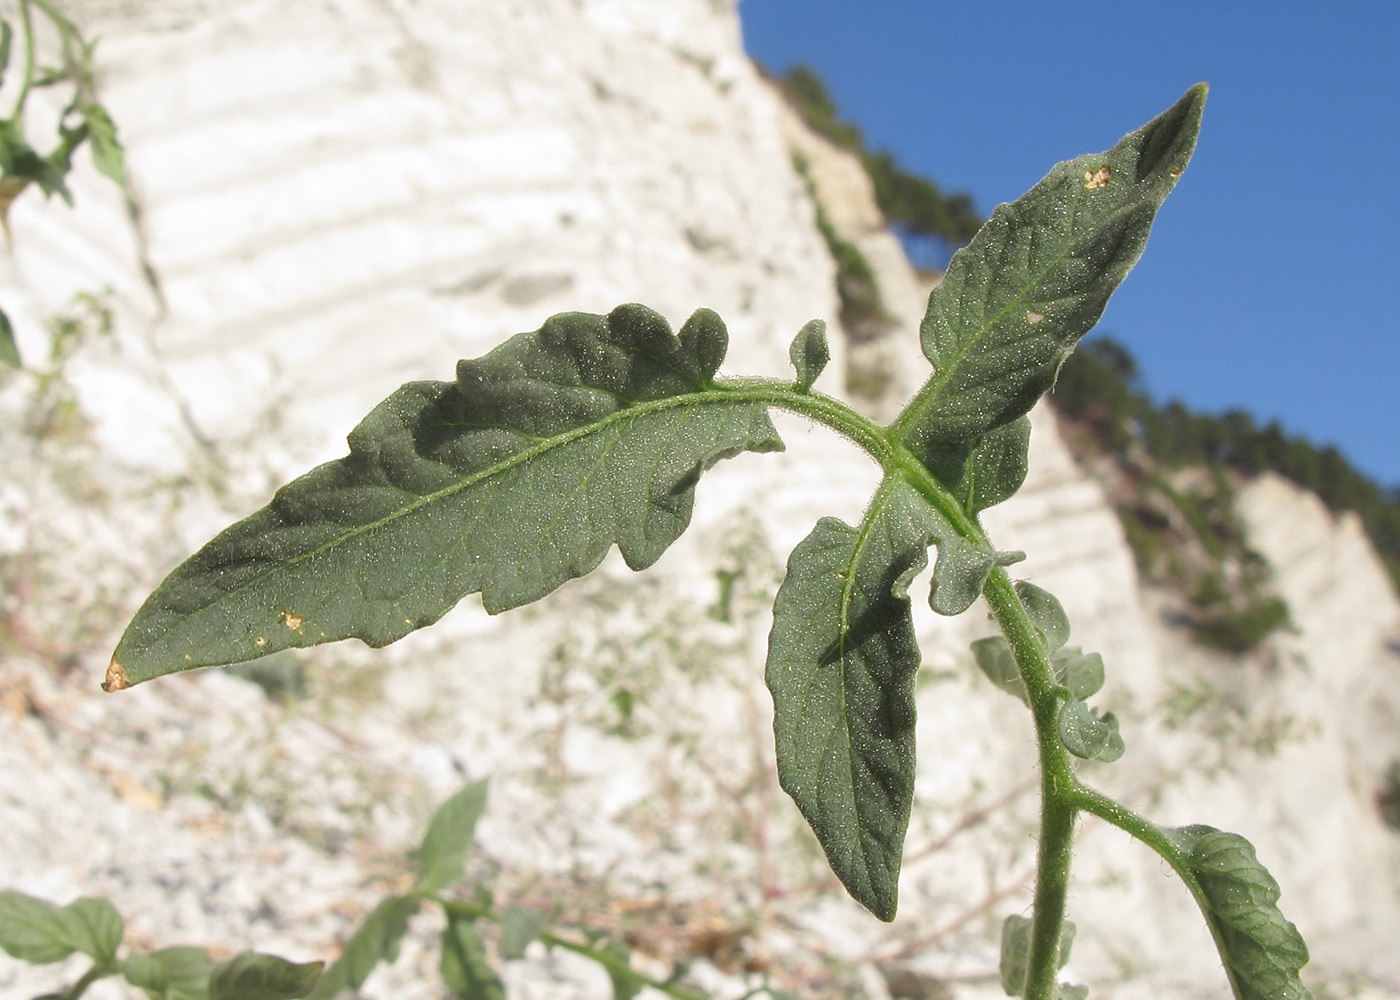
376,940
1037,276
449,834
809,354
464,966
35,930
1262,951
180,973
515,478
251,976
842,657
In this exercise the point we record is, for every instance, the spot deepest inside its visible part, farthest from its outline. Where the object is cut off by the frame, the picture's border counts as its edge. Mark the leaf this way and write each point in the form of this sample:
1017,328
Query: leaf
1082,673
625,983
35,930
510,481
449,834
1261,950
993,657
1046,613
983,472
1037,276
376,940
107,153
180,973
9,350
21,163
961,570
251,976
519,927
809,353
1087,735
842,657
1016,955
464,967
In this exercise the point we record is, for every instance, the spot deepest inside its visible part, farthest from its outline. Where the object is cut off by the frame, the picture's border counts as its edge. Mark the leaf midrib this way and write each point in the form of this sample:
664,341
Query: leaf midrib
545,445
929,396
863,536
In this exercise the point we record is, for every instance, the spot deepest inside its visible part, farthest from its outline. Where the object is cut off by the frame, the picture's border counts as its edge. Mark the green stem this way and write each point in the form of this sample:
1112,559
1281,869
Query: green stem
876,441
1059,807
1058,804
611,962
100,971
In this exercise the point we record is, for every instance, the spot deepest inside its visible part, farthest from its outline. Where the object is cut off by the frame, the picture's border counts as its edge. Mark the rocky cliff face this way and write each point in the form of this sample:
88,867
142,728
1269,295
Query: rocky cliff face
337,198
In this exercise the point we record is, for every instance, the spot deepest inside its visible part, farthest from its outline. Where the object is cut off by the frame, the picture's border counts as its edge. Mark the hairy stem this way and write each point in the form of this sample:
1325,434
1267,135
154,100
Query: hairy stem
1098,804
1058,803
875,440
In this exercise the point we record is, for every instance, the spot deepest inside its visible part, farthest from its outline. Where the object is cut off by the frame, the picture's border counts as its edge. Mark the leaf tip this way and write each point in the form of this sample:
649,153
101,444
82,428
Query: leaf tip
116,679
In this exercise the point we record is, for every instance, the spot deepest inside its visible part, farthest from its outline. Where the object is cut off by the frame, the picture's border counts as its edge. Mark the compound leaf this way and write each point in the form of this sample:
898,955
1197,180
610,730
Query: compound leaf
35,930
251,976
180,973
1261,950
1037,276
449,834
510,481
841,663
376,940
464,966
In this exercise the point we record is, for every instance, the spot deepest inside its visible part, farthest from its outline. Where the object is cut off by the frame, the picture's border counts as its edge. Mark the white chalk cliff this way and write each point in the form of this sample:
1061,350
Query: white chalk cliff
338,197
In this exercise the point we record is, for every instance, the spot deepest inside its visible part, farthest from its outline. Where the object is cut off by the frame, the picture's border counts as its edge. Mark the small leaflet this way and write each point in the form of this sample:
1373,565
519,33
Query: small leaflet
1087,735
809,353
1016,955
1262,951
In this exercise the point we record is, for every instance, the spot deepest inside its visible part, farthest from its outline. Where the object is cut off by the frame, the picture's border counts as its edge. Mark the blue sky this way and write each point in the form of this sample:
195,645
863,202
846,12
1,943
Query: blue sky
1272,279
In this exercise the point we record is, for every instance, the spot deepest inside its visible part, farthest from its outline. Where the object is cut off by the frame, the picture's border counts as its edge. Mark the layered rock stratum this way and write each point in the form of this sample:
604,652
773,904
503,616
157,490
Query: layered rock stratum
339,197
